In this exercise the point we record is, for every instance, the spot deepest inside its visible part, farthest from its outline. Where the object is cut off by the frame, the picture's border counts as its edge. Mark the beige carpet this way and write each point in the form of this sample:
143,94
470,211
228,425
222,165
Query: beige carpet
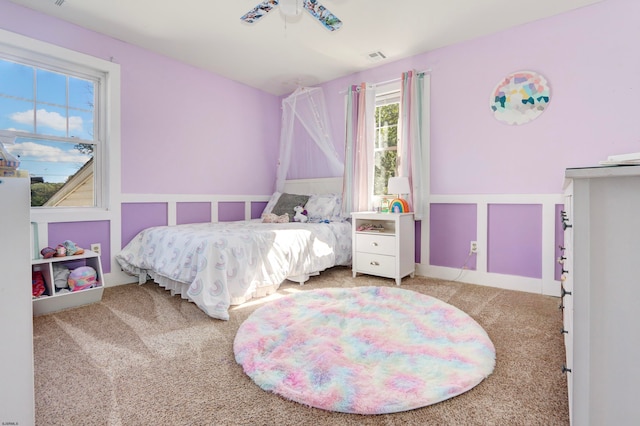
143,357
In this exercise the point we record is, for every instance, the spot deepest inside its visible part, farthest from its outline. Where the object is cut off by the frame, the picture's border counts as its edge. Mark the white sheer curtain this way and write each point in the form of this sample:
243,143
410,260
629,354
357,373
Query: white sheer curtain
307,107
410,131
358,168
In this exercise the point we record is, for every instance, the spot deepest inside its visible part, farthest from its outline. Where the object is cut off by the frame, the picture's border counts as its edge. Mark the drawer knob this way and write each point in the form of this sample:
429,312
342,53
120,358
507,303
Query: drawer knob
374,244
374,263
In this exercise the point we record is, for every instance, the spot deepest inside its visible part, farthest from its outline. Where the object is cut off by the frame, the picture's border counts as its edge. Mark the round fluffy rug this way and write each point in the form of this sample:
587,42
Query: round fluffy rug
365,350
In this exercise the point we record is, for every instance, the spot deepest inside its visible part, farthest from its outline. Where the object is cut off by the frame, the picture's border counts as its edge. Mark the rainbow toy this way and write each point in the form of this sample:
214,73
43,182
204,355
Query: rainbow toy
398,205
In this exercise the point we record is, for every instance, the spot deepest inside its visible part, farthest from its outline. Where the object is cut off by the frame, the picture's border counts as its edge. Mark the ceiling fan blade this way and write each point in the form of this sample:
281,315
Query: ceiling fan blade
322,14
259,11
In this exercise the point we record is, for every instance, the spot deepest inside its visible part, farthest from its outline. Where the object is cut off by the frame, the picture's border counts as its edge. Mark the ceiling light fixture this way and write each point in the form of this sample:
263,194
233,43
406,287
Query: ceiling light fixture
291,7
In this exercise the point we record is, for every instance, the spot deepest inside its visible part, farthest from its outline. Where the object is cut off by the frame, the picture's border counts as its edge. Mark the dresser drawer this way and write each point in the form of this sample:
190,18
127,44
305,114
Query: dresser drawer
376,264
376,243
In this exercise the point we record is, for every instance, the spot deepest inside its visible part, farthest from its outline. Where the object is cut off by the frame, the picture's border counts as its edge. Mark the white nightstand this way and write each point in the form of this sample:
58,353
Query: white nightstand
384,244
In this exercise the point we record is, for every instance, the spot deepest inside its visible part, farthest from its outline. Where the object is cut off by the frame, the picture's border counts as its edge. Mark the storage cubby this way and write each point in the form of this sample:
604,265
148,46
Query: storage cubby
381,225
52,300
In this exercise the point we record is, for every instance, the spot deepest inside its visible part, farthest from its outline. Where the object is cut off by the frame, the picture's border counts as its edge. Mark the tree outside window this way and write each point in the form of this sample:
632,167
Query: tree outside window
386,146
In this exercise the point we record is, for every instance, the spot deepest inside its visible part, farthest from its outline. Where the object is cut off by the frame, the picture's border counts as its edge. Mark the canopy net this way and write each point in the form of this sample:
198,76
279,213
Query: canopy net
307,149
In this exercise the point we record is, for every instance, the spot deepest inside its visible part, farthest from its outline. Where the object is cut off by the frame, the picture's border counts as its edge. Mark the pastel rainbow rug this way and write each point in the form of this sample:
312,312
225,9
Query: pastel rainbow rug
365,350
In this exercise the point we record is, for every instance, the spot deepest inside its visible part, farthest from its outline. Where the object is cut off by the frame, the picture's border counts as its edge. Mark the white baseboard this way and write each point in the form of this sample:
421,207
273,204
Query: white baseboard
507,282
115,278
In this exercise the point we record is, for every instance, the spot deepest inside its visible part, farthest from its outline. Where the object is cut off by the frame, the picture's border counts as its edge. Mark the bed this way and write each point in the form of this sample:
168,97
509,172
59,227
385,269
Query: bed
217,265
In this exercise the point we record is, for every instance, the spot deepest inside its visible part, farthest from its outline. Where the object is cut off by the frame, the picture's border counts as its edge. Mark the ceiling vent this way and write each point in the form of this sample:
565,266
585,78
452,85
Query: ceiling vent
376,56
58,2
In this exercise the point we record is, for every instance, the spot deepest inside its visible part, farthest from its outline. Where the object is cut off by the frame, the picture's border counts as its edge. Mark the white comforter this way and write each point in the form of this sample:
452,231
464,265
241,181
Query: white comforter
228,263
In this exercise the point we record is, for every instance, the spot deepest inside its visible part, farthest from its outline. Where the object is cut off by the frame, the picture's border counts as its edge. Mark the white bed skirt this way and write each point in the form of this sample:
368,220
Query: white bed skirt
180,289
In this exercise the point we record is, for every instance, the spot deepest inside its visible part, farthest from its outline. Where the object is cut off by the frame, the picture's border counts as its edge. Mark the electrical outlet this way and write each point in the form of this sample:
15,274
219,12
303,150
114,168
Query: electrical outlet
95,247
473,247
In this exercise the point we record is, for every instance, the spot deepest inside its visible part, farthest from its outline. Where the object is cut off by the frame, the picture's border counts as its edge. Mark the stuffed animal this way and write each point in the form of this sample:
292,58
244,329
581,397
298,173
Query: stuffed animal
82,278
274,218
301,214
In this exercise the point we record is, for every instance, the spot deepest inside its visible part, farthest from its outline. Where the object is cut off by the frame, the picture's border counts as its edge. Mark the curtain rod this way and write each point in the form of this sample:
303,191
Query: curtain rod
382,83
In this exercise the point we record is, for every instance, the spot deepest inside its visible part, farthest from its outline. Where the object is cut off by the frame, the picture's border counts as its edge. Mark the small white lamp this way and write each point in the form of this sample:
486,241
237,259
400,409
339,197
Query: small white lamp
398,185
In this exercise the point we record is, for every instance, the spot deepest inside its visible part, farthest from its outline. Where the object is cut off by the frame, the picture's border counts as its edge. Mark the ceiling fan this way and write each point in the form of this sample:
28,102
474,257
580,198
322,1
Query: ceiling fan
294,8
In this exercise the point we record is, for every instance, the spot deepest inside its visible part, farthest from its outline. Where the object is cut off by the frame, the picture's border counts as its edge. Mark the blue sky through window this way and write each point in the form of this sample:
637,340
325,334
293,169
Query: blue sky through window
47,103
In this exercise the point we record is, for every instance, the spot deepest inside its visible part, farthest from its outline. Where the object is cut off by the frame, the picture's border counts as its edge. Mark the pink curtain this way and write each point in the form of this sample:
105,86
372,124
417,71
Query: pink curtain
358,174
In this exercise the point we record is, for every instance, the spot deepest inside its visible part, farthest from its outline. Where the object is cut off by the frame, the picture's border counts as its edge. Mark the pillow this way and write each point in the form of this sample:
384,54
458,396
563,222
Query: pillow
272,218
322,207
272,202
338,216
287,202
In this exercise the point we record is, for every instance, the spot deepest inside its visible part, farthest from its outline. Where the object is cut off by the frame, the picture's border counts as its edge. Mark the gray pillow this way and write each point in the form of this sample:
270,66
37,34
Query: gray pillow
287,202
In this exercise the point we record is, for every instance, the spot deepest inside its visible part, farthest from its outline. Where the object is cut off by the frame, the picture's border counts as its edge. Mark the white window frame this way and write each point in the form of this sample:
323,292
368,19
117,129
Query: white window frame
383,93
107,169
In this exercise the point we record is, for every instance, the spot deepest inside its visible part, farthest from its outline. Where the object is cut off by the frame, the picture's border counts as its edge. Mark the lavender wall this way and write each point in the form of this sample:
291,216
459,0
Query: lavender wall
515,240
257,208
138,216
588,58
184,130
193,213
83,234
230,211
452,227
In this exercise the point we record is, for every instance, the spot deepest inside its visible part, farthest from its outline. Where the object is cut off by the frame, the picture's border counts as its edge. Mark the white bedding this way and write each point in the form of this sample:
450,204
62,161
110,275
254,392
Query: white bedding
216,265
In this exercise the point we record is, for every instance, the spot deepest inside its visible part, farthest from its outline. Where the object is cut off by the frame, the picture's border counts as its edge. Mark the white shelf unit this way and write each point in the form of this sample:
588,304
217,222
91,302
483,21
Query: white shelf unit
57,301
388,252
601,315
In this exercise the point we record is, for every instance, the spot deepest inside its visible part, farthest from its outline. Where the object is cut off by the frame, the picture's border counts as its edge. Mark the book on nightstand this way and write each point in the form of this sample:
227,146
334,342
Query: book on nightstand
622,159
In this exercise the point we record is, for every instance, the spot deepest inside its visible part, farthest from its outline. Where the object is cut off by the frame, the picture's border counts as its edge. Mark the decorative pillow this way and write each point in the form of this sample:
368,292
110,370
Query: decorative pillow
287,202
272,202
272,218
321,207
338,216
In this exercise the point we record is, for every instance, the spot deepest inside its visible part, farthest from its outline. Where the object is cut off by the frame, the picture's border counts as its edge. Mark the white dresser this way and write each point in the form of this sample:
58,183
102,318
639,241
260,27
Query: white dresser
601,279
384,244
16,325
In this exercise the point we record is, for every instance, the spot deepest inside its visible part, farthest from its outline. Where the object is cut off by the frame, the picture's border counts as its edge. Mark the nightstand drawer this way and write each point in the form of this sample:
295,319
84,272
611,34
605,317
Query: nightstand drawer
376,264
376,243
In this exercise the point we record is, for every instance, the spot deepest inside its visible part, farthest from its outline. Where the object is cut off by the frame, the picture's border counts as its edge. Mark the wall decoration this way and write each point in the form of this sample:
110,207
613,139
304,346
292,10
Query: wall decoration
520,97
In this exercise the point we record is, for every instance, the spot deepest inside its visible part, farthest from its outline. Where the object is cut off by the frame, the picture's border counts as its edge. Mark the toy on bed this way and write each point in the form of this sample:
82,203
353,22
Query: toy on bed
274,218
301,214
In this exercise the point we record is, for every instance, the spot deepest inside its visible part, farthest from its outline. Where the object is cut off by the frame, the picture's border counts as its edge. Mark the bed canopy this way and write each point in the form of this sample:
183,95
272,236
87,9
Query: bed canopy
306,154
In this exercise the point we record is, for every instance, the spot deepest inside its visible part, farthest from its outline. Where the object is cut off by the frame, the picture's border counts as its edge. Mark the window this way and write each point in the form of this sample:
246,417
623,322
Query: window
56,109
386,138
